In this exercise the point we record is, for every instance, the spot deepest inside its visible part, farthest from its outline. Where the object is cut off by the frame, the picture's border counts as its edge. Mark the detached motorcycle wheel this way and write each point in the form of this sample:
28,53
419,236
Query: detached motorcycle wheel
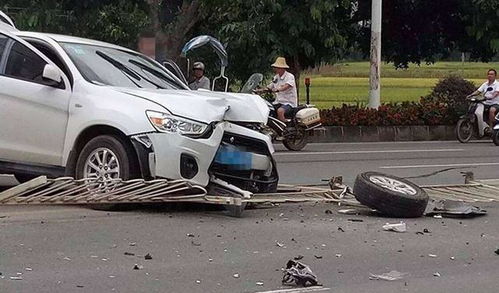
495,137
297,141
464,130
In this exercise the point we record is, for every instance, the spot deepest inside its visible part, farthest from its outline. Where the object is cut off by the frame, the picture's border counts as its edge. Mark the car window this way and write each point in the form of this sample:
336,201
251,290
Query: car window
25,64
3,43
50,53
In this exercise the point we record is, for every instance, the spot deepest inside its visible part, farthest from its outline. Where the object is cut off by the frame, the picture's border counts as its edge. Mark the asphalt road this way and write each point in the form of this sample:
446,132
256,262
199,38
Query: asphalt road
199,249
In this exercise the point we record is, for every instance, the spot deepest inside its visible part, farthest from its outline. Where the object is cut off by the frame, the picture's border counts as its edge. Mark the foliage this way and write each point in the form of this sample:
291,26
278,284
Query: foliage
416,31
115,21
452,92
306,32
408,113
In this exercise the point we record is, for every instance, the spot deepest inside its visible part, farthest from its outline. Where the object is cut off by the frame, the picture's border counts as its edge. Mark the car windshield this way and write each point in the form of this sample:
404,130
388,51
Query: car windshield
114,67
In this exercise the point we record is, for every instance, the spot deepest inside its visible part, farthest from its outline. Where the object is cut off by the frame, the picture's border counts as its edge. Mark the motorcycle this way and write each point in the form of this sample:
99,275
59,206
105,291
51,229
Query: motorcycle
495,133
474,121
300,122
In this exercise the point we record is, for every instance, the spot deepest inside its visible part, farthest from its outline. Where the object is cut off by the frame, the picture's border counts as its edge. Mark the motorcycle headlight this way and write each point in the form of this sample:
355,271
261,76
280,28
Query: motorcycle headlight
173,124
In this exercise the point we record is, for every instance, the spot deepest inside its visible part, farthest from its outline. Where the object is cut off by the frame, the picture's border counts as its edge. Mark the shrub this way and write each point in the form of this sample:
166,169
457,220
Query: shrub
426,112
452,92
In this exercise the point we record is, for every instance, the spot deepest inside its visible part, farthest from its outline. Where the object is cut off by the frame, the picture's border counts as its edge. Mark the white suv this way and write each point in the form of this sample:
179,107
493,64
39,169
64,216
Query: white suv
83,108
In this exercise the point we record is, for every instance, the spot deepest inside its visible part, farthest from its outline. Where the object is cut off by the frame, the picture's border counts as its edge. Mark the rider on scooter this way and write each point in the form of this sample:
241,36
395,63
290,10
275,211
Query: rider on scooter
490,90
284,86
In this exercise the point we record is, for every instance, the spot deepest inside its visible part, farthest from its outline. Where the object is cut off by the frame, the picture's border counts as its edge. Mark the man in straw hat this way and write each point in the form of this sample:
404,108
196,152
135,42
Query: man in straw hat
284,86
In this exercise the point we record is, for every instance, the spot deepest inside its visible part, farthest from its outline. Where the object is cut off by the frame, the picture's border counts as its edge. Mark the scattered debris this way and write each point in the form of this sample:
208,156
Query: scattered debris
329,212
67,258
432,255
191,235
28,269
16,278
348,211
236,276
399,227
390,276
259,283
279,244
138,267
338,255
129,253
132,244
198,281
298,257
299,274
453,209
148,257
438,216
426,231
341,229
318,256
355,220
419,233
497,251
452,258
437,274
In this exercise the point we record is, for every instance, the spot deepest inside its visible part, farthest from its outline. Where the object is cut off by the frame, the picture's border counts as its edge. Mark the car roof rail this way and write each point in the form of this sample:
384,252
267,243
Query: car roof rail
6,19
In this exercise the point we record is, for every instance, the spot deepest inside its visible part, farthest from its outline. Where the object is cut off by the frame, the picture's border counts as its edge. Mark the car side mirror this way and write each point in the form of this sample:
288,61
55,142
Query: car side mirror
52,75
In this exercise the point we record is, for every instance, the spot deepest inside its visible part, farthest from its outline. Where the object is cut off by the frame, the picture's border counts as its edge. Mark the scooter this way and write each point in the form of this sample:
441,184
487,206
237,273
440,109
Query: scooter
495,133
474,122
300,122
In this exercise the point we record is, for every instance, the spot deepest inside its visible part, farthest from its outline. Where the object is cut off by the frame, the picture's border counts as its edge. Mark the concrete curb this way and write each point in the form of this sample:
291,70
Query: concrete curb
384,133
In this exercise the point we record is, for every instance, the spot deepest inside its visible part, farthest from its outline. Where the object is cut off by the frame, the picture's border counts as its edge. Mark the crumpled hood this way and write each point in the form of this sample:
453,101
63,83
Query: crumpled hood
206,106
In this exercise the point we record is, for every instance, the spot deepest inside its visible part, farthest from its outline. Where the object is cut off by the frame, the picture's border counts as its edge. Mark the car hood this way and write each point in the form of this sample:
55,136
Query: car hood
206,106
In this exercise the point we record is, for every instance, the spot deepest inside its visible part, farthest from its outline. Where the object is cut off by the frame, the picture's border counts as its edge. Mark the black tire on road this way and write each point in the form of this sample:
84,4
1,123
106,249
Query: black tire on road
125,156
464,130
298,141
495,137
390,195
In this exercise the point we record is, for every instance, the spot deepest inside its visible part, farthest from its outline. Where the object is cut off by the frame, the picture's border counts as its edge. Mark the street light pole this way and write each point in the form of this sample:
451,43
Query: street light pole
375,74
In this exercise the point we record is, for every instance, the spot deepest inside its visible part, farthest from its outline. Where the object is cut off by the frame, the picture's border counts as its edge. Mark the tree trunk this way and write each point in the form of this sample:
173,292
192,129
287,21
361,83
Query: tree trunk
169,43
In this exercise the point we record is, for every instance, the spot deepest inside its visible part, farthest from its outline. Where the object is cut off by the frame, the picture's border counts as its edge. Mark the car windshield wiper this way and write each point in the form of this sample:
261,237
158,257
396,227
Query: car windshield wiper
129,72
152,71
125,70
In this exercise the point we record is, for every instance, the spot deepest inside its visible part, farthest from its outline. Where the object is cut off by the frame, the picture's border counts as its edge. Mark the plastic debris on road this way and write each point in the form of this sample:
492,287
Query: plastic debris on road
299,274
399,227
452,209
390,276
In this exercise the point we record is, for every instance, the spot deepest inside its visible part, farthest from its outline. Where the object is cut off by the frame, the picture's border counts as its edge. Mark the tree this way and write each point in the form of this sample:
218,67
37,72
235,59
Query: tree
416,31
114,21
306,32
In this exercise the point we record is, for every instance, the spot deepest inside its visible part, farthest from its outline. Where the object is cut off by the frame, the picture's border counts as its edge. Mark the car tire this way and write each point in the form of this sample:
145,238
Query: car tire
390,195
124,156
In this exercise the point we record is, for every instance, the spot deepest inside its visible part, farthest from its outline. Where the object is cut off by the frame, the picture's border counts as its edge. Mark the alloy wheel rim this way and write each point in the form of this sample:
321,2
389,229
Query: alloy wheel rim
393,184
102,165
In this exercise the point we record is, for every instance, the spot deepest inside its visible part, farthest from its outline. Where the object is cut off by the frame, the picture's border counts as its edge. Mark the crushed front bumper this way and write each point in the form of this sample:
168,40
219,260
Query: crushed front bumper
234,154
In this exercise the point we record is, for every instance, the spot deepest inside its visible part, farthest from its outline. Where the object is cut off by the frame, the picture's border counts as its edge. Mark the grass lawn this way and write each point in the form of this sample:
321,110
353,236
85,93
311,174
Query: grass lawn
349,82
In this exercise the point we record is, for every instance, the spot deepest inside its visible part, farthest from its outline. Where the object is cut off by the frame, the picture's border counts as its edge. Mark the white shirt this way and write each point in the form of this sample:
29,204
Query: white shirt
202,83
490,94
289,96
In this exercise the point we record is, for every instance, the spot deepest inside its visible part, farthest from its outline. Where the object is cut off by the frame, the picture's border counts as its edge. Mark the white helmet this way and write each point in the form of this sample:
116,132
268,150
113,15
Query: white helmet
198,65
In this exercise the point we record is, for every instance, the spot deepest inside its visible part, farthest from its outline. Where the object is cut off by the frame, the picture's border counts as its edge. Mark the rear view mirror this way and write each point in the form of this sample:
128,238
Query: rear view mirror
52,75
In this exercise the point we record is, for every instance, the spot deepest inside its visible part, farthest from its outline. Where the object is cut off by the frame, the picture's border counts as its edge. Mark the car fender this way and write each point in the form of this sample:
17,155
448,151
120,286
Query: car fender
101,106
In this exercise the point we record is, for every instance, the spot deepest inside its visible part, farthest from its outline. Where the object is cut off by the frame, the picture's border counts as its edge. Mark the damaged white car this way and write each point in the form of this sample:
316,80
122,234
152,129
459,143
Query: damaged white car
88,109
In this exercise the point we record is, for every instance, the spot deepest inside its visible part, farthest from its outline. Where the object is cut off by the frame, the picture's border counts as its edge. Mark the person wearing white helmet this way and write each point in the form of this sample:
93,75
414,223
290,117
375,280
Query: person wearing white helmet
200,81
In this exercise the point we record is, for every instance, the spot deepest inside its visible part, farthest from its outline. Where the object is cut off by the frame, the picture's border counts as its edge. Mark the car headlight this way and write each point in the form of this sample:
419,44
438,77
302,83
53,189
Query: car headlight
173,124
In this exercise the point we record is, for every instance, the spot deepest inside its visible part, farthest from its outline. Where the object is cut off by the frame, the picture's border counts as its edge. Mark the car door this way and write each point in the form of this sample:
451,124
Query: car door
33,114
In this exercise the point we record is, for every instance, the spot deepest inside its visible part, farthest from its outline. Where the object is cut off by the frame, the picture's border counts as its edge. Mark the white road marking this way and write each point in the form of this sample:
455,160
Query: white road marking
367,152
298,290
439,166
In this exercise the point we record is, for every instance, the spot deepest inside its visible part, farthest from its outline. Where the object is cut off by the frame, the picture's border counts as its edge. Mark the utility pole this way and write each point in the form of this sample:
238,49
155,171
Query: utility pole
375,74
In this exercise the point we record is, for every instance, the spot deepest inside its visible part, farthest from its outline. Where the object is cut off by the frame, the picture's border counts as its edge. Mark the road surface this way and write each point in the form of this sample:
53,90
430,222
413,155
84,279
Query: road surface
199,249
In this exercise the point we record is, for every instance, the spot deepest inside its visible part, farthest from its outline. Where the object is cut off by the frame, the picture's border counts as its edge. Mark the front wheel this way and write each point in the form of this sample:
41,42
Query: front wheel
296,141
495,137
106,158
464,130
